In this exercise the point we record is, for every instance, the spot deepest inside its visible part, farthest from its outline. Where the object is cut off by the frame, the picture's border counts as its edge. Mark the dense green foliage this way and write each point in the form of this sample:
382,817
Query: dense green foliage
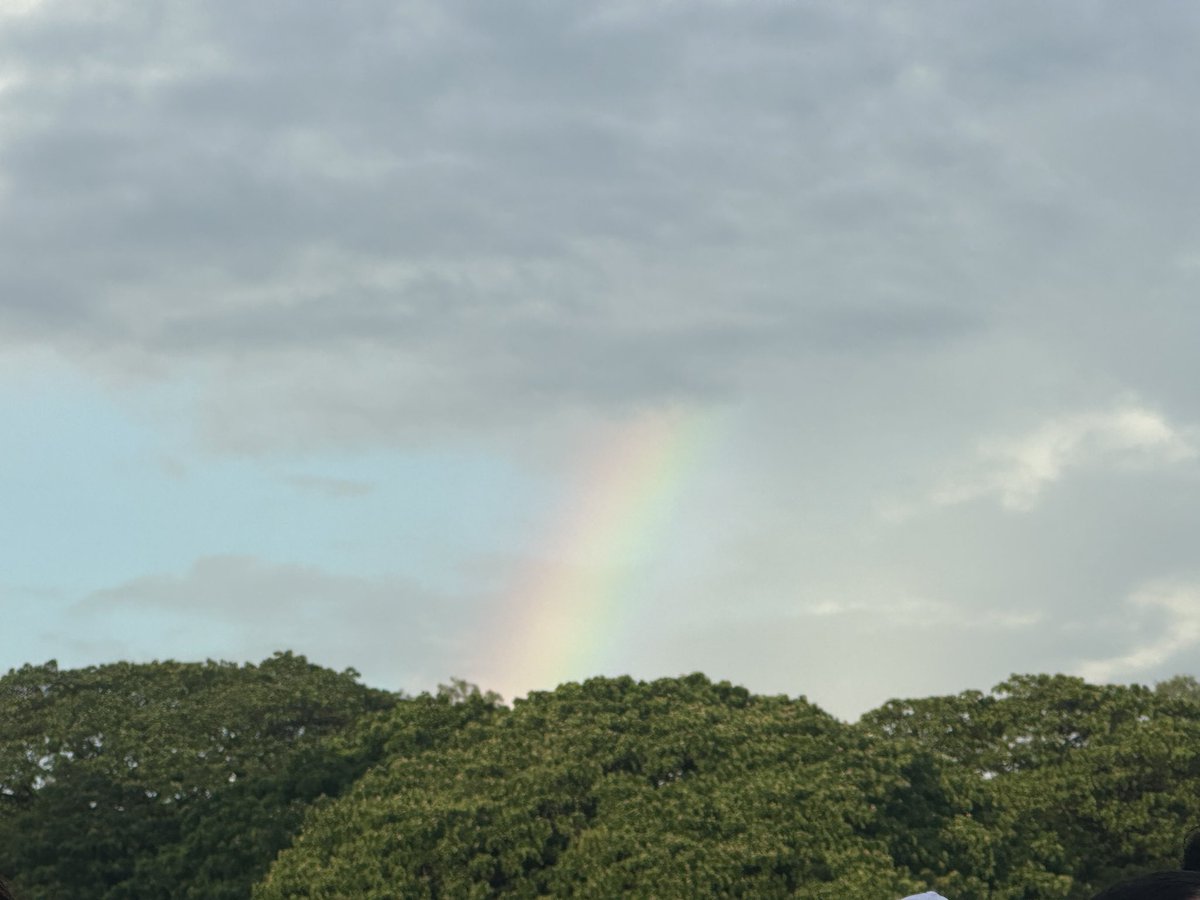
612,788
286,780
166,780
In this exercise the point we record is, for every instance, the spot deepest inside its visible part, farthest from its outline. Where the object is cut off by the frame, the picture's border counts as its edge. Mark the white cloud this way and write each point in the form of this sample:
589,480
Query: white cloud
16,8
1179,602
923,613
1015,472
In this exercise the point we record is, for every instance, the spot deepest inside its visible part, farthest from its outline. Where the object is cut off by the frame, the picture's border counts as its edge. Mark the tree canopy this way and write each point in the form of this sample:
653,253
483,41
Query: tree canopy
284,779
165,779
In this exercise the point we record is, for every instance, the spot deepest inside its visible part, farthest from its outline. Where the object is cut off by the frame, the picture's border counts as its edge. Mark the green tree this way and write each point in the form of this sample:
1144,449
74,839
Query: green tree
126,780
613,787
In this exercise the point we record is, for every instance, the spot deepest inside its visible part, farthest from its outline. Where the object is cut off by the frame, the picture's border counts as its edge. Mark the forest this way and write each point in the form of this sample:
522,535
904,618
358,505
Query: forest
285,779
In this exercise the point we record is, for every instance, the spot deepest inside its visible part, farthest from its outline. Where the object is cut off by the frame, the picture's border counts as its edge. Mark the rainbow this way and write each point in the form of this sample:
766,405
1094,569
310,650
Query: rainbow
566,608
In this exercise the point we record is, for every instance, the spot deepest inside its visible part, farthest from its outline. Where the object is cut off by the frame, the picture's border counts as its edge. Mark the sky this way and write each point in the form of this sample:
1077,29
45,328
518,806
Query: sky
835,349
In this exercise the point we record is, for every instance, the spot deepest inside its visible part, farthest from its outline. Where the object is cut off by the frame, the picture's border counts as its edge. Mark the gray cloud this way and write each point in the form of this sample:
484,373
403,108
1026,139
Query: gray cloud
395,631
330,487
543,208
875,237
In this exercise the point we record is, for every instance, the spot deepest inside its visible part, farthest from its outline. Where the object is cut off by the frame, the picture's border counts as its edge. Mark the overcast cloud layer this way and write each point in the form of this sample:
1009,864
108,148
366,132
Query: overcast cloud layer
310,312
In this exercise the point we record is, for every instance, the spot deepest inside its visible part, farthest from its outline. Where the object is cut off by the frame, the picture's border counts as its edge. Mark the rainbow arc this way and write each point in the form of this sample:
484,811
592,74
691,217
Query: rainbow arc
566,609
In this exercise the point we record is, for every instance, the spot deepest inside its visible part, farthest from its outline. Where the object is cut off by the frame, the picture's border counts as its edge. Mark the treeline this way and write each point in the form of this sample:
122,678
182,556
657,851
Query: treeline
284,779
